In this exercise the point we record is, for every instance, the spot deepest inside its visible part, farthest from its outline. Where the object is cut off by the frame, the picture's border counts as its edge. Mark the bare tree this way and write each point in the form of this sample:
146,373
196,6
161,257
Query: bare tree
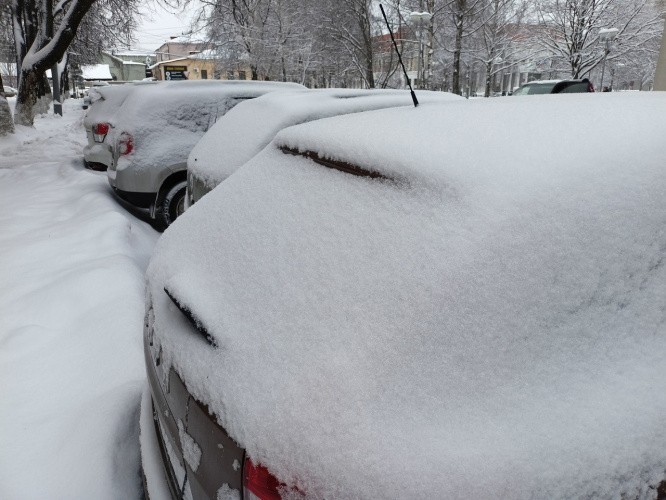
571,30
501,24
352,25
108,24
239,29
464,16
41,43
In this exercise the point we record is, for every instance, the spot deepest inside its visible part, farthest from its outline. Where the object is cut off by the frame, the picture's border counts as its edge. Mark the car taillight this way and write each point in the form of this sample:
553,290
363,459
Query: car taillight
258,483
125,144
99,131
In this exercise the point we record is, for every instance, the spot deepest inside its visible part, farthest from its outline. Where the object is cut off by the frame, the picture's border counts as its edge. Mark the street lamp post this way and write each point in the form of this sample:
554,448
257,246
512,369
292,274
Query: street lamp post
420,18
606,35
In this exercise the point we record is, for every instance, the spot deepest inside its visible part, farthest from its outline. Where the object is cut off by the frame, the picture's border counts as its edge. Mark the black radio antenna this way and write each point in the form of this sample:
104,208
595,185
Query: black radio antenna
416,101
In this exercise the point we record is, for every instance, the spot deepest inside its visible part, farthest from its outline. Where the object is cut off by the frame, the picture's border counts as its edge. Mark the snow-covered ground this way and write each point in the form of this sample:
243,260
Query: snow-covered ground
72,265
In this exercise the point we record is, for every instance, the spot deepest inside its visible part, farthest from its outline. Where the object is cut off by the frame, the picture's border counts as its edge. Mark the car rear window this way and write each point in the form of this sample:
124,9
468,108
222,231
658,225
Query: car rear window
541,88
535,88
574,87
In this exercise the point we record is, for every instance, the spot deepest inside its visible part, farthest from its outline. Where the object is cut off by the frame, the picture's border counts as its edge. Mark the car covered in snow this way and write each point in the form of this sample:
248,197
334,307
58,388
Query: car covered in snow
9,91
246,130
104,102
155,129
555,87
431,302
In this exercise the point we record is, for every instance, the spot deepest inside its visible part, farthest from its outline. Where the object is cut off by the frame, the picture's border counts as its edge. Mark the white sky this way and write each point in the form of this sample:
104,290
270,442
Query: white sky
160,23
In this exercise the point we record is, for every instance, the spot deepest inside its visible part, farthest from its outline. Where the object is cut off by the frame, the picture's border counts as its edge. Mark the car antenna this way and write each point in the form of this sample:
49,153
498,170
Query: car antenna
416,101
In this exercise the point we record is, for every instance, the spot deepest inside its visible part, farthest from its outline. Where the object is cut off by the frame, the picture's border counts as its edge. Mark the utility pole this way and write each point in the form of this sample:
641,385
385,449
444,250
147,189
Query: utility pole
607,36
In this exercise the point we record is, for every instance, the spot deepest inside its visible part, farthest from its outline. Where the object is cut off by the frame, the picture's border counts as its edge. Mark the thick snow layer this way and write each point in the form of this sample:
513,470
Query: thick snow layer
71,301
246,130
104,102
490,324
166,120
96,72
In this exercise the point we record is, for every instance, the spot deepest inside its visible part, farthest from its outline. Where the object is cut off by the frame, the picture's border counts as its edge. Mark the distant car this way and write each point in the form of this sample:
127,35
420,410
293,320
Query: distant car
87,97
9,91
155,129
247,129
439,302
555,87
98,121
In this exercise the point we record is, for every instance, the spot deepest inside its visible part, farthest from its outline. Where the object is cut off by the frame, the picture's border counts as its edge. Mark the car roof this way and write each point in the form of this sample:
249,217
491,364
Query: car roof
148,101
543,82
249,127
104,102
487,316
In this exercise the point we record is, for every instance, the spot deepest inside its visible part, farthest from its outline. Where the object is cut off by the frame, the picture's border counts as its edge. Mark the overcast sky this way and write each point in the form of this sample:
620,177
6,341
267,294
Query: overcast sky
159,24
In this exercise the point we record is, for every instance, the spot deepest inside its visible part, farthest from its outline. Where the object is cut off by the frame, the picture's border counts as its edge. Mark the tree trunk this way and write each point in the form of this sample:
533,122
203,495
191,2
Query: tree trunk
457,52
40,46
24,114
6,122
489,68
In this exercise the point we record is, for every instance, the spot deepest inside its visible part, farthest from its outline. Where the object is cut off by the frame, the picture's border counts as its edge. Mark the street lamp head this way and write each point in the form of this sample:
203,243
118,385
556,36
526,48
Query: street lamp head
416,17
608,33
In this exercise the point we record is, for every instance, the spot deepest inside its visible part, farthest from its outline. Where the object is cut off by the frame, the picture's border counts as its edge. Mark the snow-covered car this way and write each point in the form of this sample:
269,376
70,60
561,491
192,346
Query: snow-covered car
9,91
247,129
88,92
155,129
104,102
555,87
454,301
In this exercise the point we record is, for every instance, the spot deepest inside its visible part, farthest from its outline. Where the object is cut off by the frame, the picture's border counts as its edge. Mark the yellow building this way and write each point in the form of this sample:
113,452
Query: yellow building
200,66
192,67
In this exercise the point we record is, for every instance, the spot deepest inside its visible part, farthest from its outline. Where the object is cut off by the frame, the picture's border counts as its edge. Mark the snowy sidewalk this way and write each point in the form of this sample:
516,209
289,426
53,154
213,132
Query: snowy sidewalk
71,301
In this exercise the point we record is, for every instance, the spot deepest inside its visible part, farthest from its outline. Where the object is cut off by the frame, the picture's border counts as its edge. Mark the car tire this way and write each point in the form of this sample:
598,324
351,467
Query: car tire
170,206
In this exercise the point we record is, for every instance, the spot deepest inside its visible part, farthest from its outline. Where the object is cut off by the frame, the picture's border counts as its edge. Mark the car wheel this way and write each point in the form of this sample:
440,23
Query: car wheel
170,206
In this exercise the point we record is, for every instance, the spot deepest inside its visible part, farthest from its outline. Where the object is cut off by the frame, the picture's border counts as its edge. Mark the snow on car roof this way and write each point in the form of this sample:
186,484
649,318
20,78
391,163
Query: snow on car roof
246,130
167,119
539,82
96,72
105,101
492,323
163,98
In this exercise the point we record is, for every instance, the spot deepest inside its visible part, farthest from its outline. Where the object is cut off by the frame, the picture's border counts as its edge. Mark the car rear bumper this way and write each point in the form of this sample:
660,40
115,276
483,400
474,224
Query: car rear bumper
98,154
212,461
141,200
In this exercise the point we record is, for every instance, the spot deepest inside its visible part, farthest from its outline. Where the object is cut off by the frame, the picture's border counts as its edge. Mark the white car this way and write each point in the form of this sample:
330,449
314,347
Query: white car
104,102
155,129
247,129
456,301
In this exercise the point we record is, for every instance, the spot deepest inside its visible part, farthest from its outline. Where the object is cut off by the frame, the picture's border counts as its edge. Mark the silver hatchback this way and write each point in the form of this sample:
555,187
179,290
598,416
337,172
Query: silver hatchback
154,130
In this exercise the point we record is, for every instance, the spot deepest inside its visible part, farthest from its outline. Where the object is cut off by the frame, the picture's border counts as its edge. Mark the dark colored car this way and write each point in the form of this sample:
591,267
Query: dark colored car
555,87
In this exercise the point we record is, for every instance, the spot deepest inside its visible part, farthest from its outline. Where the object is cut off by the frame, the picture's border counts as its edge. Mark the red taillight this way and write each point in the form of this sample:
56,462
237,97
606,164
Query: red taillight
125,144
99,131
258,483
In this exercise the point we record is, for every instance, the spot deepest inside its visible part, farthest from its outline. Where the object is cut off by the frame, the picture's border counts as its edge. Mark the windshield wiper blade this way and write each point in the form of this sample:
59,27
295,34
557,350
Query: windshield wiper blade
187,312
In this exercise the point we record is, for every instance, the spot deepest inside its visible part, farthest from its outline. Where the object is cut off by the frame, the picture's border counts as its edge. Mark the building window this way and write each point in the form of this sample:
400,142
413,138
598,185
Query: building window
241,75
230,75
204,74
